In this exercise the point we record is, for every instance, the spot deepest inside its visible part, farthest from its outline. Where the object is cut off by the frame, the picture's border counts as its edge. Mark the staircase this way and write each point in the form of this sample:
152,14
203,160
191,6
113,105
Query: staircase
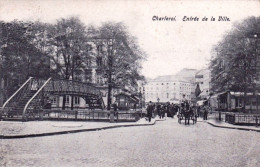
17,110
22,104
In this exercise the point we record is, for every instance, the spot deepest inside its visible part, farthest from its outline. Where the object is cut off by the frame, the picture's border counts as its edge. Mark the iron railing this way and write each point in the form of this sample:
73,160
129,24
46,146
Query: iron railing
237,118
12,101
89,115
37,90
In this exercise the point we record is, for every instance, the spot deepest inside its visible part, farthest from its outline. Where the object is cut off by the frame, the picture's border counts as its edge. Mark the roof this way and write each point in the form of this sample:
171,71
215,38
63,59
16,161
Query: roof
168,78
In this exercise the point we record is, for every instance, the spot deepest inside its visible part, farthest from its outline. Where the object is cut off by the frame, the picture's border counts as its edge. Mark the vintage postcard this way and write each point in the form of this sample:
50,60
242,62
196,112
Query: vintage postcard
130,83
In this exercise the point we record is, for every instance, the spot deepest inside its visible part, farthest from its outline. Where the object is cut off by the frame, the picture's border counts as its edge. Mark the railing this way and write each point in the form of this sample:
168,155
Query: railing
33,97
17,96
89,115
72,87
37,91
235,118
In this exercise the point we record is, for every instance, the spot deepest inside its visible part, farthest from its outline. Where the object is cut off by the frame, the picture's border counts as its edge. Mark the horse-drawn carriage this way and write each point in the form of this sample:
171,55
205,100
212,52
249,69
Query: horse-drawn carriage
186,113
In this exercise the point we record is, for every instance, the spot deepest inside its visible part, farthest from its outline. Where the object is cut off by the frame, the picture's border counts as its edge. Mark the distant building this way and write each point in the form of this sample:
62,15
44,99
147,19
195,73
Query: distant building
169,88
187,74
203,78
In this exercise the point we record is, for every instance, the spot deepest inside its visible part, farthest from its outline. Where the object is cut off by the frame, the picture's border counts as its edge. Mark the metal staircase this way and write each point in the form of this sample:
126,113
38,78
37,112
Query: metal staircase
18,109
28,101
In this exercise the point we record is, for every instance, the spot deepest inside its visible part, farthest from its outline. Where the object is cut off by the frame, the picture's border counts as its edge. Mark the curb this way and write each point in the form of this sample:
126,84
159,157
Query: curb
69,131
237,128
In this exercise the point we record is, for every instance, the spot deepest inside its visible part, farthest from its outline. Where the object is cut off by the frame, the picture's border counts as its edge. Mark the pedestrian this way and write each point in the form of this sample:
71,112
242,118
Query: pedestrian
159,111
205,114
149,111
172,110
153,111
163,111
115,110
195,113
198,111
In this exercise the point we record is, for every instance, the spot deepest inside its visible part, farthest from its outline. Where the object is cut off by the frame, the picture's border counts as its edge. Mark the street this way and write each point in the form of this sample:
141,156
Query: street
167,143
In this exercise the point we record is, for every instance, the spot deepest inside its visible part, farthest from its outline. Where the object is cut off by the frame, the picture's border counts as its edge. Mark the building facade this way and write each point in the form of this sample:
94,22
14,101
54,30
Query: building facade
203,79
173,89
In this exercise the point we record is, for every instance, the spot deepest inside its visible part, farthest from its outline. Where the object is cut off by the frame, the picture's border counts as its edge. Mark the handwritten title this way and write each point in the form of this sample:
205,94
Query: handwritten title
191,18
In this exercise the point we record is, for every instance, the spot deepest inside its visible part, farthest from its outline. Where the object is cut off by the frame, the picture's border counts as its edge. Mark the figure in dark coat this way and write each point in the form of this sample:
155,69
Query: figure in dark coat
163,111
149,111
159,110
205,114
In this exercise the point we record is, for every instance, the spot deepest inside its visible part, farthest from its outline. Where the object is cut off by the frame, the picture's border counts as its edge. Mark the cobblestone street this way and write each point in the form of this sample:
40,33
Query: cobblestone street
167,143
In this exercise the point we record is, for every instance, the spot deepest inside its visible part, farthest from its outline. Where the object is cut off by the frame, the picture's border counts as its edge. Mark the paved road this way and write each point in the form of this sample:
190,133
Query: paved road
165,144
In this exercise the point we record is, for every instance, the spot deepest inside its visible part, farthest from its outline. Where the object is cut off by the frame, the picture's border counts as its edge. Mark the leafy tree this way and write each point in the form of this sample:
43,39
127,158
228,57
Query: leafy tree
70,49
126,55
235,64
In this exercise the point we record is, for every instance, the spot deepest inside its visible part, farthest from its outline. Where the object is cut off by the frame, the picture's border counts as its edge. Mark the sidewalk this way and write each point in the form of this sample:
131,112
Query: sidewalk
11,130
221,124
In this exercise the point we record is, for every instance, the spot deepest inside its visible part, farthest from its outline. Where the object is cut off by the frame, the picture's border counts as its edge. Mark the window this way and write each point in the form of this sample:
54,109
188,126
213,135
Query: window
54,100
67,101
167,95
76,100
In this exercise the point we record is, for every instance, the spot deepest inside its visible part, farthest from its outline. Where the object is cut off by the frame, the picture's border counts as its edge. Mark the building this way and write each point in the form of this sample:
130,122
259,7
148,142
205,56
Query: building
187,74
170,88
203,78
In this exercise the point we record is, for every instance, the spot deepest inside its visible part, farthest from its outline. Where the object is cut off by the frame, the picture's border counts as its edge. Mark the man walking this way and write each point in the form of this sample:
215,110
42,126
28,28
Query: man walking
149,111
205,116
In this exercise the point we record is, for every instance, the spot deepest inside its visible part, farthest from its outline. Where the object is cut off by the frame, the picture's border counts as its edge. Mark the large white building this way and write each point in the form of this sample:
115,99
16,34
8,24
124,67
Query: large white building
171,89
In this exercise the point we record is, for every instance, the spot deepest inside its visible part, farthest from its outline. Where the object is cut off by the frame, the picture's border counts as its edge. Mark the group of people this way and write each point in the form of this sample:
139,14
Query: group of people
161,110
173,109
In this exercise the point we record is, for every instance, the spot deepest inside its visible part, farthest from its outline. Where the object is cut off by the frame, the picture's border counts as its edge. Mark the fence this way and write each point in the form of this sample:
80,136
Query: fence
90,115
249,119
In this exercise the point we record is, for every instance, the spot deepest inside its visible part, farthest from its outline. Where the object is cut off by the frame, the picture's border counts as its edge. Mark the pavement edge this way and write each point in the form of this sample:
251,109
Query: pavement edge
237,128
70,131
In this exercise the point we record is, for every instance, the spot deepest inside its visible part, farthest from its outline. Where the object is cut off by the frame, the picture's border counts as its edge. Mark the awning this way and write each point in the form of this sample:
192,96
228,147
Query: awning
239,94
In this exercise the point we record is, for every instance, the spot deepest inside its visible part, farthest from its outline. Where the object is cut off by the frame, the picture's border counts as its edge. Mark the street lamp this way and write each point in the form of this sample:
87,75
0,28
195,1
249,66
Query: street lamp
255,36
158,99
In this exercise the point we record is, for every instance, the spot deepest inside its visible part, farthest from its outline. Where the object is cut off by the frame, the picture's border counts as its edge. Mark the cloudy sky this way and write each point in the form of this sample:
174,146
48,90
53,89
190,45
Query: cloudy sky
170,45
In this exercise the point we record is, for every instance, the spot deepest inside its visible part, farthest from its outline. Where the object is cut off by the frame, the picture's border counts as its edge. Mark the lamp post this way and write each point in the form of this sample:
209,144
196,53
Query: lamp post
158,99
255,36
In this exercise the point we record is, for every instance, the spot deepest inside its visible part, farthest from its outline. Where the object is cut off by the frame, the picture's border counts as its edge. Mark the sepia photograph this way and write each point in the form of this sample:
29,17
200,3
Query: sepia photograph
134,83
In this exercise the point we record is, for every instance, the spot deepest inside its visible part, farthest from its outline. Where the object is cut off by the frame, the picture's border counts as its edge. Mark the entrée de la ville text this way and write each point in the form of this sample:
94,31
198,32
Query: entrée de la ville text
191,18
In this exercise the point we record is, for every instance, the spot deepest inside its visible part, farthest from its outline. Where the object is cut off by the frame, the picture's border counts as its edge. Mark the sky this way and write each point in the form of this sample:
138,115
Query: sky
170,45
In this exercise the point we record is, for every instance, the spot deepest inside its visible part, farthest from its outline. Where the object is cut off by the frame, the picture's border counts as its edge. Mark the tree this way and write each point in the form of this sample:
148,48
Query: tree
70,49
19,57
236,58
121,57
127,56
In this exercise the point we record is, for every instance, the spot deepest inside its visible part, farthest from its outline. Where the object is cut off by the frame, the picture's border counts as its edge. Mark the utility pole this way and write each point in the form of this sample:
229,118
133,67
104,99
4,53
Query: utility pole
110,65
